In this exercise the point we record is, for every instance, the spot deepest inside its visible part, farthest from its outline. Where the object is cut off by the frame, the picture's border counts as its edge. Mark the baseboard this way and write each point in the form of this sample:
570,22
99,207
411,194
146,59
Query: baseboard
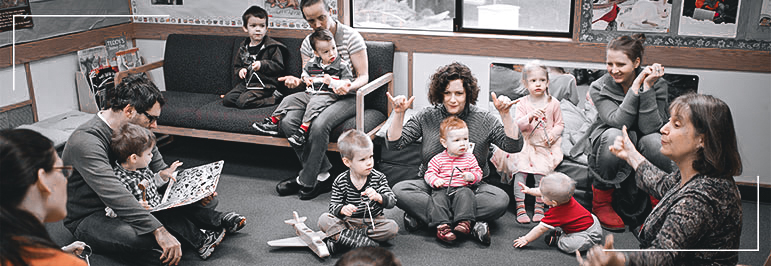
749,192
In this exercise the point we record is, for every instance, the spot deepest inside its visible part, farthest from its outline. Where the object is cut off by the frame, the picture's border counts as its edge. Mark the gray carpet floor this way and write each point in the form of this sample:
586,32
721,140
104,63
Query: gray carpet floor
247,186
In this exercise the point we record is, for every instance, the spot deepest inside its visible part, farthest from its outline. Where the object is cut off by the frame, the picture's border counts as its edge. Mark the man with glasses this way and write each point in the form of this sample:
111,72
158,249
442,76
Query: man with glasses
136,235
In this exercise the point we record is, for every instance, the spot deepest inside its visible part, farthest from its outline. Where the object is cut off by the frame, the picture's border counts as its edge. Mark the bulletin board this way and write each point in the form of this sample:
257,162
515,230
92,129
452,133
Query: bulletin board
217,13
675,23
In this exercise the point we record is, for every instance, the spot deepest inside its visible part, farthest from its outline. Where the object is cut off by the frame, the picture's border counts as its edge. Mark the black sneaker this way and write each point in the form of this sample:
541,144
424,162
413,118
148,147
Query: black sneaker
355,239
298,138
233,222
552,238
481,232
266,127
211,240
411,224
331,246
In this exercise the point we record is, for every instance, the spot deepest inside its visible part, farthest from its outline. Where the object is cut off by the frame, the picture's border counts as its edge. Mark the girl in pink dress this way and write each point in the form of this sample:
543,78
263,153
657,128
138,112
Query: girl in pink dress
539,118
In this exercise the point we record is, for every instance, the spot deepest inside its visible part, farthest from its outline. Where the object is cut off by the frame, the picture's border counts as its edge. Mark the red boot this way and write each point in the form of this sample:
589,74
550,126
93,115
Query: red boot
602,208
654,201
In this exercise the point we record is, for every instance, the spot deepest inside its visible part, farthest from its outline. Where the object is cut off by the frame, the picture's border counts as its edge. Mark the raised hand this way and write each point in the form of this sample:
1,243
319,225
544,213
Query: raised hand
524,188
400,103
655,72
502,103
622,146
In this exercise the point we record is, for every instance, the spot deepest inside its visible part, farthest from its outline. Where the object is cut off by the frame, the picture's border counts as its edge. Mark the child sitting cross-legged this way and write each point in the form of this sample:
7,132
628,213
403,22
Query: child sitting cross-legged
580,229
359,195
198,224
451,173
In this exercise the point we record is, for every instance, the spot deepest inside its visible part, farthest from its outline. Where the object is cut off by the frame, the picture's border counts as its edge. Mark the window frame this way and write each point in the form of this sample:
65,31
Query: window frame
458,27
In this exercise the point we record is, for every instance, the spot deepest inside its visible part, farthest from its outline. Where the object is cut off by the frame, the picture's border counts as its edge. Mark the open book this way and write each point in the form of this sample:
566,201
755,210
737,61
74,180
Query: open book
192,185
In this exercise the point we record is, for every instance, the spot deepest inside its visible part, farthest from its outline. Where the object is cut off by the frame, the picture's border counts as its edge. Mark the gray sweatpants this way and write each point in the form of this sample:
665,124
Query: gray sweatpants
384,229
583,240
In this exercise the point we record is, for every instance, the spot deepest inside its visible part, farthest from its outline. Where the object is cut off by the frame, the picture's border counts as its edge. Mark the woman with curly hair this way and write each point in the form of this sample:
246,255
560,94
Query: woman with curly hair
453,91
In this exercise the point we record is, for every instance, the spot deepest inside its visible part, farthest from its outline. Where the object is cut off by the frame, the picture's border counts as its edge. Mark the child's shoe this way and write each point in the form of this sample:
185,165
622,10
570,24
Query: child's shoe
298,138
355,239
266,127
331,245
444,233
233,222
552,238
538,212
463,227
522,217
211,240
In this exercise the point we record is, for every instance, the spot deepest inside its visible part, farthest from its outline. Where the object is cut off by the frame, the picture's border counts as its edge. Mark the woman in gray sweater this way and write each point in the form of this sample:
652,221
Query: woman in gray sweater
632,96
453,91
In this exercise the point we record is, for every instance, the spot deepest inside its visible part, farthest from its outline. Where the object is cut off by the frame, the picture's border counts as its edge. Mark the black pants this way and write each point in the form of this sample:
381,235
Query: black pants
244,98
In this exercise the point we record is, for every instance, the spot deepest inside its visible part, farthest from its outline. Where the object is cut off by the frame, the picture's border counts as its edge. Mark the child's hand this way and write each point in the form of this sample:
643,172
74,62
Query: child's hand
468,177
327,79
535,115
439,183
308,81
242,73
205,201
76,248
256,65
520,242
145,204
373,195
169,172
348,210
290,81
524,188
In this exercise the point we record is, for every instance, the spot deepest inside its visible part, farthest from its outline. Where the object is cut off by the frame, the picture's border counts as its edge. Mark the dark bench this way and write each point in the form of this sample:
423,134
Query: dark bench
197,70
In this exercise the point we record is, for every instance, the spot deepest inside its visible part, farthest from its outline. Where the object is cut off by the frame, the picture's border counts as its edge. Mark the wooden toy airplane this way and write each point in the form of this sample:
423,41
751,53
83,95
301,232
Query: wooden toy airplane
305,237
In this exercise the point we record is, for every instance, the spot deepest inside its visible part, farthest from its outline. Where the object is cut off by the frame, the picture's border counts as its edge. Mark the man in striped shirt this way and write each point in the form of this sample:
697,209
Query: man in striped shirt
359,195
450,173
313,179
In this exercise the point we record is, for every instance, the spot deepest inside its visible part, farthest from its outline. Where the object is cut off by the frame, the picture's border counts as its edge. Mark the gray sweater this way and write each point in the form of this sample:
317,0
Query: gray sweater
94,186
645,112
484,129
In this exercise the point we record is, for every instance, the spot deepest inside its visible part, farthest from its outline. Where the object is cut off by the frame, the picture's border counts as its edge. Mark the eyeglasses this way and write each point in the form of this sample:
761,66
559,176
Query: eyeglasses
66,170
150,117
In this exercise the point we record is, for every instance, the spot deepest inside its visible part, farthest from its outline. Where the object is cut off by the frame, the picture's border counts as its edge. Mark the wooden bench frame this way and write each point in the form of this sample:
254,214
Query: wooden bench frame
261,139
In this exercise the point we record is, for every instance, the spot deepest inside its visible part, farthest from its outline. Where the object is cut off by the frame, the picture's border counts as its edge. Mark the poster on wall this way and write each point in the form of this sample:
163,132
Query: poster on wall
712,18
9,8
631,15
283,13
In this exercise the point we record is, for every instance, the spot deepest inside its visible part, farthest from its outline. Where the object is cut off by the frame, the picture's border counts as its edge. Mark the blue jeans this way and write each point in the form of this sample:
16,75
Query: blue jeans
116,238
415,196
313,155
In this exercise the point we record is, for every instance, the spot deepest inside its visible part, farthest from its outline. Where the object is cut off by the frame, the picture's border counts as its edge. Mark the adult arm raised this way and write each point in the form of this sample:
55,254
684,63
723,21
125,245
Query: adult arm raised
400,104
503,105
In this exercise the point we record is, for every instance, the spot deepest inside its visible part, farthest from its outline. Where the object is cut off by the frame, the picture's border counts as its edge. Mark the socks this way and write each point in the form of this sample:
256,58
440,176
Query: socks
274,119
538,210
521,213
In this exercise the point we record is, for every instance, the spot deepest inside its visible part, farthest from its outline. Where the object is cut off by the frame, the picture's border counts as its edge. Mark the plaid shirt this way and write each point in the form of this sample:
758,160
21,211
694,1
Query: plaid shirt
131,180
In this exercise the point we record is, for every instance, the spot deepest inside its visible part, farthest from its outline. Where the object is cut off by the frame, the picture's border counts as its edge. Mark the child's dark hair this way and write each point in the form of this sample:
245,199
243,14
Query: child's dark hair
131,139
450,123
254,11
320,35
352,141
632,46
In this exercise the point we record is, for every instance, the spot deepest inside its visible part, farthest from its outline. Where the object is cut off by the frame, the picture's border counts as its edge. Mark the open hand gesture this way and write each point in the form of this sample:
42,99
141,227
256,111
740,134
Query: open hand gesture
597,256
520,242
348,210
169,172
400,103
524,188
502,103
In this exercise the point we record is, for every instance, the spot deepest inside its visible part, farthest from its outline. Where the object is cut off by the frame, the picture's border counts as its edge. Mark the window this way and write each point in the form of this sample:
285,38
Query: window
525,17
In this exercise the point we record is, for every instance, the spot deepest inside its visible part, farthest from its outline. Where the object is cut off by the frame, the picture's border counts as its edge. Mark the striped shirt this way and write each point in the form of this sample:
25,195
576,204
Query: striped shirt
344,193
443,166
348,42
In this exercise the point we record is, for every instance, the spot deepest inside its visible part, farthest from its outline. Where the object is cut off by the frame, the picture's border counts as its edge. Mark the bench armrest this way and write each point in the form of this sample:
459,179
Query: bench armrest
386,78
140,69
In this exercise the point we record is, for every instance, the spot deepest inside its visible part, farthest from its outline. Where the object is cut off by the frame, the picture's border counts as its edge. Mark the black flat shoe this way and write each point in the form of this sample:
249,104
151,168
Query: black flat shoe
320,188
288,186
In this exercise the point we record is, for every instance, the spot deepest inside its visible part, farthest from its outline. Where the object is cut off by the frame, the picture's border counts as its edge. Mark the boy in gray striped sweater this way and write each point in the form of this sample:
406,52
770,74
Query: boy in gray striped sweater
359,195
